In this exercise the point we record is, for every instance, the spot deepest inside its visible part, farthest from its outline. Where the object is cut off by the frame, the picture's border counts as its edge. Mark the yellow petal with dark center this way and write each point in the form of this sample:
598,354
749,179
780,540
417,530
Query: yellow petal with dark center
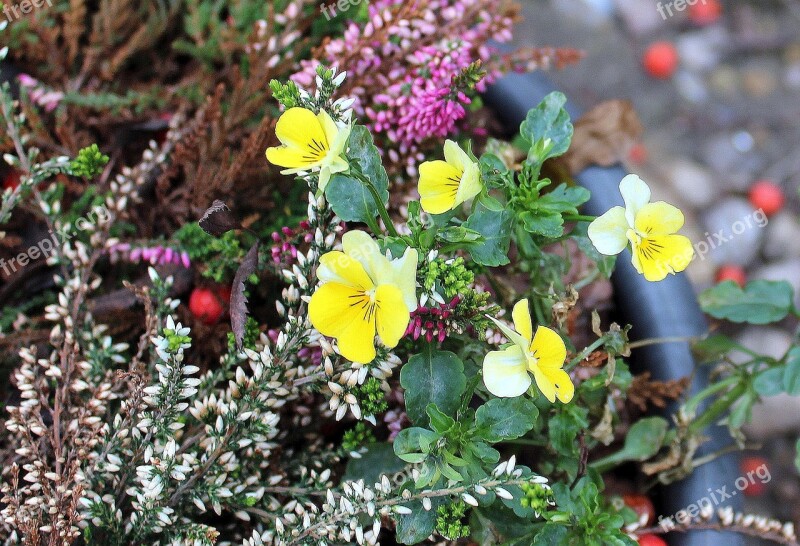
659,218
348,314
438,186
391,314
301,132
554,383
340,268
656,257
548,348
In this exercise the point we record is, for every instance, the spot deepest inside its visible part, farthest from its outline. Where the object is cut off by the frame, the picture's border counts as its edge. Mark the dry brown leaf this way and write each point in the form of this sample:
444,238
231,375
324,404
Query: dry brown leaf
603,136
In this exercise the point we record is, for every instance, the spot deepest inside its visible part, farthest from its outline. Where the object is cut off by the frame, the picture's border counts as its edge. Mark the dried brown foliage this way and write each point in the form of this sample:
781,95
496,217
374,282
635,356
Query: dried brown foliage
644,391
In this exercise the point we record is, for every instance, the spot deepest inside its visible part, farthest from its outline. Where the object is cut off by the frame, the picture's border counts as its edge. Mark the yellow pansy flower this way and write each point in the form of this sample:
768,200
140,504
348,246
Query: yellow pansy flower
507,373
443,185
364,293
309,142
650,228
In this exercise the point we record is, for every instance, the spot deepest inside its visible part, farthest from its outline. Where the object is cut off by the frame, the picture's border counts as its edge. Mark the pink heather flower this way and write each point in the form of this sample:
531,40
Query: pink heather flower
433,323
155,255
414,62
284,250
38,94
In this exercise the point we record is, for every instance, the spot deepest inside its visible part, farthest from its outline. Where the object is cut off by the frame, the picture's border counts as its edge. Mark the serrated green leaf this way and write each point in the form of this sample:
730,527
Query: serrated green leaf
760,302
791,372
547,123
769,382
495,228
415,527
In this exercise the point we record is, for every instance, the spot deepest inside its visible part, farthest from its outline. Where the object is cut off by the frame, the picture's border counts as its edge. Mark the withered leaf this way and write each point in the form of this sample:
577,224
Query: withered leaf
238,299
218,219
603,136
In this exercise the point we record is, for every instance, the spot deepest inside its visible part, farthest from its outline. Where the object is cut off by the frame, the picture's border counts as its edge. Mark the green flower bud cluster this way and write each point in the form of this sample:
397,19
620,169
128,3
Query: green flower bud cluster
537,496
175,340
452,276
89,162
448,520
371,397
357,436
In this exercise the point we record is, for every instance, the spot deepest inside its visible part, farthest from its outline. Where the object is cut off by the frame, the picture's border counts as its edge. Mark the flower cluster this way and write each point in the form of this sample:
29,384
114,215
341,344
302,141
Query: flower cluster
410,83
153,255
284,248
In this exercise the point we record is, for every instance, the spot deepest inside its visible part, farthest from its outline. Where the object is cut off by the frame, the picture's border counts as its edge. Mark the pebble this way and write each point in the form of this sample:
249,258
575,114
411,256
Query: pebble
782,237
721,153
733,232
760,80
693,182
691,86
724,80
640,18
700,50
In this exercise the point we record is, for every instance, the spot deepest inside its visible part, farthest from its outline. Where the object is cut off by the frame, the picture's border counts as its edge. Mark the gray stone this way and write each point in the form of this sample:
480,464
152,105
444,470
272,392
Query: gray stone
782,237
721,154
694,184
733,235
640,17
700,50
691,86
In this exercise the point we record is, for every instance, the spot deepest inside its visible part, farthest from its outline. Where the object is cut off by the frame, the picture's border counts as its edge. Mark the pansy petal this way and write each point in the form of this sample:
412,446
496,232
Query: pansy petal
470,184
438,186
659,218
361,246
562,383
300,128
391,314
295,158
505,372
662,255
511,335
455,156
548,348
405,276
636,194
340,268
522,319
544,384
347,314
328,126
607,232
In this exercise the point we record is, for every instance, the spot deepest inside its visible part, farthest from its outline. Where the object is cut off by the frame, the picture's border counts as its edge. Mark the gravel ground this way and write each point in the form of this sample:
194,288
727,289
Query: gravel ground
727,118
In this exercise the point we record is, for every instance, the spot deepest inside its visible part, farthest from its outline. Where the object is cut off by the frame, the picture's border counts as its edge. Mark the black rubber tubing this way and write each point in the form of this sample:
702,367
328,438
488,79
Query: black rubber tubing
655,309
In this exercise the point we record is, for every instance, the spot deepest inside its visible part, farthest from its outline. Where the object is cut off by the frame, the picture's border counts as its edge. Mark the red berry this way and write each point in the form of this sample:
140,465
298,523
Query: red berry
660,60
755,474
642,505
651,540
11,179
208,304
705,12
638,154
767,196
730,272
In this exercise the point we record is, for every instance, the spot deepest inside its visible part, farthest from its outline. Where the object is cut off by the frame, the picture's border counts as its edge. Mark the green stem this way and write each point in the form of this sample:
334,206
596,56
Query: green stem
378,203
658,340
720,406
586,352
579,218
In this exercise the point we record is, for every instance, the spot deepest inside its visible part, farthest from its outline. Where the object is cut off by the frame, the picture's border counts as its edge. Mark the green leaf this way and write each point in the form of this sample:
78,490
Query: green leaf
605,264
494,173
413,444
432,377
505,418
415,527
495,227
791,373
378,459
440,422
547,128
544,214
564,427
713,347
644,440
760,302
769,382
348,197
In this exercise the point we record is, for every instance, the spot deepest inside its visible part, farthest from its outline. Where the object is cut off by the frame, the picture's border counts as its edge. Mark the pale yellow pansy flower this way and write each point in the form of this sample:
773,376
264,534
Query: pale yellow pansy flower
310,142
443,185
364,293
650,228
507,373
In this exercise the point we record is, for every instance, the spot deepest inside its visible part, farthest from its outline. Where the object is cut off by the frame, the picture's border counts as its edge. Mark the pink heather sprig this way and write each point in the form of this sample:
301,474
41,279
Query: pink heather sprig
433,322
403,63
47,99
154,255
284,250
